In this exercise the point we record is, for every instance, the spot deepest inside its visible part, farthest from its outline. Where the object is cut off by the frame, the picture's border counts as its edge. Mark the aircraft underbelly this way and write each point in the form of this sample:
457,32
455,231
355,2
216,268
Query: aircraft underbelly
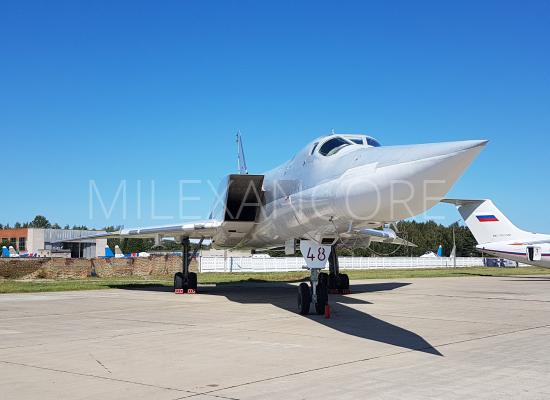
296,215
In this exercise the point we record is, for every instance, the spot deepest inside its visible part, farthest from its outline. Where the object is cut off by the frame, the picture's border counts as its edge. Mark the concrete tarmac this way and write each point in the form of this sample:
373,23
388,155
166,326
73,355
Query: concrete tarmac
434,338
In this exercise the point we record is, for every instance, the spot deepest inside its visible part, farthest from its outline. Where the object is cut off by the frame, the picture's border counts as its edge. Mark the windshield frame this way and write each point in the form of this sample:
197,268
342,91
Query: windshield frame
372,142
334,150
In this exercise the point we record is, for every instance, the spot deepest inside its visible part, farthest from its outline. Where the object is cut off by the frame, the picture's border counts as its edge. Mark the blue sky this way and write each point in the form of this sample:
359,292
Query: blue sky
138,91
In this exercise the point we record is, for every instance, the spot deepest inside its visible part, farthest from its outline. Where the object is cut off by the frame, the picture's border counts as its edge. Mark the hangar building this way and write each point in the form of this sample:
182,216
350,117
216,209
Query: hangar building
50,242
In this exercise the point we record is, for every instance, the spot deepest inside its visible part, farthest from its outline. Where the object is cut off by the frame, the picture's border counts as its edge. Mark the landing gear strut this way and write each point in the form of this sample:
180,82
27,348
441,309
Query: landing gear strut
337,282
315,256
185,281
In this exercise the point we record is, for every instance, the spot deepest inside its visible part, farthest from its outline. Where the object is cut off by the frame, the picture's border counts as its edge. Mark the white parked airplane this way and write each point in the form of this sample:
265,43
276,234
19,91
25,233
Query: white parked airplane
9,252
340,188
497,236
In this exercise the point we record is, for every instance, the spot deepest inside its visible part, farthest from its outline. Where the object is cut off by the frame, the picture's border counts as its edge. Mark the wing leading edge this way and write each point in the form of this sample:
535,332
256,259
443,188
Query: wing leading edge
192,230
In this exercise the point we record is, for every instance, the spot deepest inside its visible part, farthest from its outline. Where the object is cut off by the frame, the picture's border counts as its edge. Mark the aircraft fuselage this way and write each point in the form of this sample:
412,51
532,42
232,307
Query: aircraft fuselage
320,196
537,254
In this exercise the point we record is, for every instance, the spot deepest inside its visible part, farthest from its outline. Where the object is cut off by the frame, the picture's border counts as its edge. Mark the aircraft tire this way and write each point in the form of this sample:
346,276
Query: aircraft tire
323,279
304,298
192,282
178,280
322,296
344,282
332,282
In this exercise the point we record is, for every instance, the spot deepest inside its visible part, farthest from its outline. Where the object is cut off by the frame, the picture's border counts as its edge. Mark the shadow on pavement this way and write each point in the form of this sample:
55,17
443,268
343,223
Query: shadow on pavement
347,319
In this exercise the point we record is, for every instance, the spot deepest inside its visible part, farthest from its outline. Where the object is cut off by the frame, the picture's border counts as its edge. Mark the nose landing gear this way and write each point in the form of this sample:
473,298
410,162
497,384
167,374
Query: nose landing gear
316,293
321,283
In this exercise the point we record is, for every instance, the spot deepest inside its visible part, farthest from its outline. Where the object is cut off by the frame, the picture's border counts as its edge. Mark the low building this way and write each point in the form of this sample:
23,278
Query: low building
53,242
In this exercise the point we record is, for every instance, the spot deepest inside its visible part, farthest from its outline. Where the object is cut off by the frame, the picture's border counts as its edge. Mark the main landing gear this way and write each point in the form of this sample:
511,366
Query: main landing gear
321,284
185,281
337,283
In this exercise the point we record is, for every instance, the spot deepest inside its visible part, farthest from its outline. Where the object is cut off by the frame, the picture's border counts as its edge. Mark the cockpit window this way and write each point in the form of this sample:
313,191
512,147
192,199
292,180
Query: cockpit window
333,146
357,140
373,142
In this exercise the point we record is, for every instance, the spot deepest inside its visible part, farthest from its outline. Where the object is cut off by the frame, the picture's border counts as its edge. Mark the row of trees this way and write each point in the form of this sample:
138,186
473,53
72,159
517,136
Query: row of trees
40,222
426,235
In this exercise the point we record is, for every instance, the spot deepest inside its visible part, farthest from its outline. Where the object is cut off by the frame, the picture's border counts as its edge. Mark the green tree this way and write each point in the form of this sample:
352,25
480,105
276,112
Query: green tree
427,236
112,228
40,222
130,245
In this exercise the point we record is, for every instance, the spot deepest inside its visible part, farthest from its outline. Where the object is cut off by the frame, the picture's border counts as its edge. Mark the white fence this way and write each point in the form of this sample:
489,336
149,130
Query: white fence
287,264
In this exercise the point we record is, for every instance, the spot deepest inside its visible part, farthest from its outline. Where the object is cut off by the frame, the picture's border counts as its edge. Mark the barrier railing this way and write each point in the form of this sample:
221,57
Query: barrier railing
289,264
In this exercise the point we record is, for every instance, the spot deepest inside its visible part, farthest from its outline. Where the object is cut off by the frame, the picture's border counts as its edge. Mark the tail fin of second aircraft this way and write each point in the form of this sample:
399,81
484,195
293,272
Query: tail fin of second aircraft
5,252
13,253
486,222
108,252
118,252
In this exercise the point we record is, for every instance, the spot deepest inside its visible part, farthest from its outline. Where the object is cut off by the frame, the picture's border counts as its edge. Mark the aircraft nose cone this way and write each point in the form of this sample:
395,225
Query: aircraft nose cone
477,143
432,150
393,155
464,145
399,182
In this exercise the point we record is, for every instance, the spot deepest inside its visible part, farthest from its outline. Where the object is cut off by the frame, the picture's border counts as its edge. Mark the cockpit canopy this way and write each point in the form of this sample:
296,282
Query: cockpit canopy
336,143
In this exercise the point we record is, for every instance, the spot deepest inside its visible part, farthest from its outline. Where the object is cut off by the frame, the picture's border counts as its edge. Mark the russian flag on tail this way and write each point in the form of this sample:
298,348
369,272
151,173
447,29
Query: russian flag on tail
486,218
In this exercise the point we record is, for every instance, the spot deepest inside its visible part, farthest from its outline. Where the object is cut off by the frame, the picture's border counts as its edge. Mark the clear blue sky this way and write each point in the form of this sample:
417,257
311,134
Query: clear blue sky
110,91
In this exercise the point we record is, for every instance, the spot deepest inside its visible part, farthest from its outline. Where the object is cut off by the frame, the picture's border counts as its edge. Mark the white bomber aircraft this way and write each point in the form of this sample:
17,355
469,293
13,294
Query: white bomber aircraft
497,236
340,188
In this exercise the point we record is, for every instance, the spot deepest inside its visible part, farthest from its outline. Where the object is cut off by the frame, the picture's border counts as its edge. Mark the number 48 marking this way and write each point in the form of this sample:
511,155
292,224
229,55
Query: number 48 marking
321,256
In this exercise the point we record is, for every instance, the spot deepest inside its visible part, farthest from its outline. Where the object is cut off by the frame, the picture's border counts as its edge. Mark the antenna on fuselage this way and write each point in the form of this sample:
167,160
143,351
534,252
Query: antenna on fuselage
241,162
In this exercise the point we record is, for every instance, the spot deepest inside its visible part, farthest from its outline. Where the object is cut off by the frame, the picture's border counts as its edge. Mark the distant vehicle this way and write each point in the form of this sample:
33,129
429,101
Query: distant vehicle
12,253
499,262
119,254
496,235
9,252
261,255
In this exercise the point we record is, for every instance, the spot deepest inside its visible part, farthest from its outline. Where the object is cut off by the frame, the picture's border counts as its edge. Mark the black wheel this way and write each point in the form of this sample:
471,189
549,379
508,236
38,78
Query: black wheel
332,281
192,280
178,280
304,298
344,282
323,278
322,295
